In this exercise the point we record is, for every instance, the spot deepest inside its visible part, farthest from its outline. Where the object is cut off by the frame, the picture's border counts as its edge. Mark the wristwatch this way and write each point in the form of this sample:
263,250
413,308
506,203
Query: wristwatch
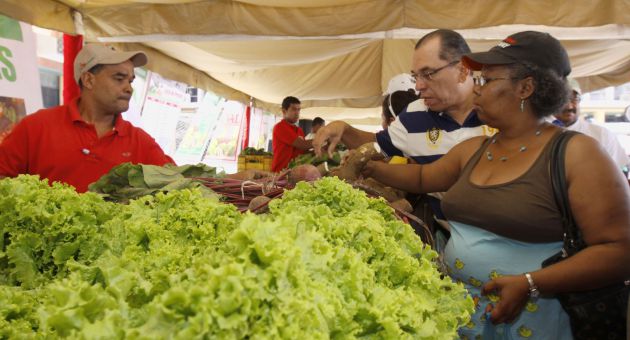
533,289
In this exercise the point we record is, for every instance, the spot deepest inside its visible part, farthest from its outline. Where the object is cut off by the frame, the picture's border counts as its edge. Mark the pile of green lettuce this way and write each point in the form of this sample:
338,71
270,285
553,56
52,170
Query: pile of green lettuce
326,262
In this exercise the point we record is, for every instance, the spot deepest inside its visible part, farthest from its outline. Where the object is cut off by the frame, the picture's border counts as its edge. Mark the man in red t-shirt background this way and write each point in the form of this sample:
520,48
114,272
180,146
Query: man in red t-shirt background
288,139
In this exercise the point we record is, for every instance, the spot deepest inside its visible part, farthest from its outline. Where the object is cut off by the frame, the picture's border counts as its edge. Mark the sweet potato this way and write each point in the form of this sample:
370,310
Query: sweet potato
403,205
356,160
374,187
334,172
304,172
257,202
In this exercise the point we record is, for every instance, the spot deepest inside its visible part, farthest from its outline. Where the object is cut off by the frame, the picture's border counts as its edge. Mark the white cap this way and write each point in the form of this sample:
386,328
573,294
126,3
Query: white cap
401,82
95,54
575,86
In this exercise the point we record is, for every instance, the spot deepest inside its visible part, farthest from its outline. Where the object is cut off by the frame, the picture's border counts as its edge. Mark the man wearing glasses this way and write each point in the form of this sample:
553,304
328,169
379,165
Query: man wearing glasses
431,126
571,120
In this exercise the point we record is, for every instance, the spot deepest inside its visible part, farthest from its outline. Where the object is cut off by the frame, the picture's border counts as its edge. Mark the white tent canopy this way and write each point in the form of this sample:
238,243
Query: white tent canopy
337,56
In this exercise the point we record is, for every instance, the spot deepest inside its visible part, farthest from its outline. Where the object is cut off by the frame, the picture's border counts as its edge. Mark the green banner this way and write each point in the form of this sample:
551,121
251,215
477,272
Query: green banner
10,28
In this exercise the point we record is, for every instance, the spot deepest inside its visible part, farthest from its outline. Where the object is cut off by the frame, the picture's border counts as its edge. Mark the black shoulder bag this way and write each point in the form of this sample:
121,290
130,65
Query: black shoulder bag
595,314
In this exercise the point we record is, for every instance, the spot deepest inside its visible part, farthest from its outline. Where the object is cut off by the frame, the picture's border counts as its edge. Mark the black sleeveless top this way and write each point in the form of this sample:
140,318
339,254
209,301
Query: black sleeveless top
523,209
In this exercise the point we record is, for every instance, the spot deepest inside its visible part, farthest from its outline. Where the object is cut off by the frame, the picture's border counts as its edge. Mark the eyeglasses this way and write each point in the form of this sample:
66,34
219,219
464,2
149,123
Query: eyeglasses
428,75
482,81
575,98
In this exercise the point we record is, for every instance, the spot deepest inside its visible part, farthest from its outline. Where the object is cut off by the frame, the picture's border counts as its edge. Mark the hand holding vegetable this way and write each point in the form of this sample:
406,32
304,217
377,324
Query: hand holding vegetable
357,160
369,167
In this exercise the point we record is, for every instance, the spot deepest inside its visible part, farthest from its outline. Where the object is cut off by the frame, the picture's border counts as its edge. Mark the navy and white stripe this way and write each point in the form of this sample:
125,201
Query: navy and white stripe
425,135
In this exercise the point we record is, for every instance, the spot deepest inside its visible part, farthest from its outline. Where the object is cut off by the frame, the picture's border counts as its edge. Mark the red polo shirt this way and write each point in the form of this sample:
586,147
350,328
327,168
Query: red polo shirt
58,144
284,134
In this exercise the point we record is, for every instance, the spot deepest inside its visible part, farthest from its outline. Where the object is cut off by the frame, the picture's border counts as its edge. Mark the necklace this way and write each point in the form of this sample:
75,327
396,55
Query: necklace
521,149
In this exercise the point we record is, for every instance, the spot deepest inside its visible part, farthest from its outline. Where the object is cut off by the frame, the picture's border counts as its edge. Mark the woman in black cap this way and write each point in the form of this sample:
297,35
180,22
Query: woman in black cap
500,203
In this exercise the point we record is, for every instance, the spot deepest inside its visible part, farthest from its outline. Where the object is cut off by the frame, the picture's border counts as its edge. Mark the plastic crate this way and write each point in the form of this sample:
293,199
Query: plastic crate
253,162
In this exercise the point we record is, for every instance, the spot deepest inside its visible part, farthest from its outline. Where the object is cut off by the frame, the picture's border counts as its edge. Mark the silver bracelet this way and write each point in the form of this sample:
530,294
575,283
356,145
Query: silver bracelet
533,289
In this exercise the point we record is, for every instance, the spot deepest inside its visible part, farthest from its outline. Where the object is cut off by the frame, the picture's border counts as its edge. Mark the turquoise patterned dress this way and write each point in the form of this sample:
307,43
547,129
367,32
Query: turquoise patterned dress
474,256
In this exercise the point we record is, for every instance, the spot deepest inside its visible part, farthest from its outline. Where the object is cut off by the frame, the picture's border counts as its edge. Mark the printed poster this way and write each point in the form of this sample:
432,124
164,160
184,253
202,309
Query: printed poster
255,126
202,125
139,85
268,122
20,89
161,110
261,128
225,138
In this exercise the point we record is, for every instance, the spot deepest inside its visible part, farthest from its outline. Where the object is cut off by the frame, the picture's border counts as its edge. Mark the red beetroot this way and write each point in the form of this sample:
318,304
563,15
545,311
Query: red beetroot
305,172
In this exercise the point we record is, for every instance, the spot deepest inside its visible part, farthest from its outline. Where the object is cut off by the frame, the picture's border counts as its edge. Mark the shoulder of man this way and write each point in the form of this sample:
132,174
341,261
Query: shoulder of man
418,118
601,129
45,116
607,137
276,127
413,112
280,124
138,132
596,131
415,106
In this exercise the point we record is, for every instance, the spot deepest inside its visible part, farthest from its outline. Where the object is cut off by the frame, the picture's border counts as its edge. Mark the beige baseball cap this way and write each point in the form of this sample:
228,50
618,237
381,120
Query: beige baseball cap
95,54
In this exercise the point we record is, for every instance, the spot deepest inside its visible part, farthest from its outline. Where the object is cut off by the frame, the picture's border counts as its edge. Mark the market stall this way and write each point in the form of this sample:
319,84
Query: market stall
336,56
311,252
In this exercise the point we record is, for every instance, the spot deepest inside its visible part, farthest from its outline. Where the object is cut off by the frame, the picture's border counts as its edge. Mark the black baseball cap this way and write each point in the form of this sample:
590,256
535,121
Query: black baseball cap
538,48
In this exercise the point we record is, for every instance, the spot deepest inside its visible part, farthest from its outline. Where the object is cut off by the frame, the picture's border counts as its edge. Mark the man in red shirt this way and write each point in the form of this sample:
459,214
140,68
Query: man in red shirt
288,139
80,141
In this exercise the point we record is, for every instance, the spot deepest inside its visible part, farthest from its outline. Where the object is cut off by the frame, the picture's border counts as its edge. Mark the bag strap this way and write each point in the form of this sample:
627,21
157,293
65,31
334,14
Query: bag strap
573,240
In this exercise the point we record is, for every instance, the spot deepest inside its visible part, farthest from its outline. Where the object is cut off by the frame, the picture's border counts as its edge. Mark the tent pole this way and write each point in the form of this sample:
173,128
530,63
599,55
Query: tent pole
248,120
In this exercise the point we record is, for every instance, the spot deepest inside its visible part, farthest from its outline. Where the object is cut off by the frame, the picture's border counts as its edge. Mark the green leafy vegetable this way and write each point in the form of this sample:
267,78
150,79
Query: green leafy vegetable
249,151
326,262
310,158
128,181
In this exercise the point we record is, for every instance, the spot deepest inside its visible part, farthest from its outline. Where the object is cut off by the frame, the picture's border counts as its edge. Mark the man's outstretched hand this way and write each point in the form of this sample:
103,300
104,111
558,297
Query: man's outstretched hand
330,134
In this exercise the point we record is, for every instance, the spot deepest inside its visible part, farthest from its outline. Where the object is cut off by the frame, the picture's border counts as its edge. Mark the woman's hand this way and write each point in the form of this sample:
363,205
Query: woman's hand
513,292
368,169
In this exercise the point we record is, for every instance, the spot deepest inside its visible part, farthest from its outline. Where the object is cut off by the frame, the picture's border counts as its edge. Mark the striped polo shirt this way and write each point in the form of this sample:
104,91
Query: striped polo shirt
425,135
